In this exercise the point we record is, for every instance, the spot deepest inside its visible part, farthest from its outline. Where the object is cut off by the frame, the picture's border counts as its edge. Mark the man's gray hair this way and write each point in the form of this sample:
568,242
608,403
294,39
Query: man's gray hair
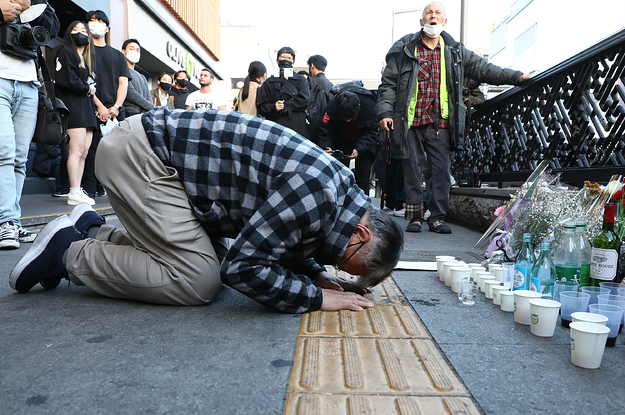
388,243
437,2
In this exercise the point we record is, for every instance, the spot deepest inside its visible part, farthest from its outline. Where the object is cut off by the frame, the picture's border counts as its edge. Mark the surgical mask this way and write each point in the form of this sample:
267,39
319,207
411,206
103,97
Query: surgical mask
283,63
133,56
80,39
182,82
166,86
97,29
433,31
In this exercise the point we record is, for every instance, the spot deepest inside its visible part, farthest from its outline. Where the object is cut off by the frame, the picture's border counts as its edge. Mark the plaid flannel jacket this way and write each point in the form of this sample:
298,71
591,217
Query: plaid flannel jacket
429,80
283,199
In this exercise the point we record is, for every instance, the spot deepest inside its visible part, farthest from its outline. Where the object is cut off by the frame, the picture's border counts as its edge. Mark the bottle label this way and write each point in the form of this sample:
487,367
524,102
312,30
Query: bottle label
520,276
584,279
571,274
603,264
535,284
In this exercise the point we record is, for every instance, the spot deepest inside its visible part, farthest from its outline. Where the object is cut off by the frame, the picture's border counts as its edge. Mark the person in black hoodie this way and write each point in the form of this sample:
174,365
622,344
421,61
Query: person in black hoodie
349,125
283,98
179,91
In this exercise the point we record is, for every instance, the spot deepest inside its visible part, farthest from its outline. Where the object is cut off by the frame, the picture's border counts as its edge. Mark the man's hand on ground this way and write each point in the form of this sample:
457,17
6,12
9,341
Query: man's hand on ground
341,300
331,282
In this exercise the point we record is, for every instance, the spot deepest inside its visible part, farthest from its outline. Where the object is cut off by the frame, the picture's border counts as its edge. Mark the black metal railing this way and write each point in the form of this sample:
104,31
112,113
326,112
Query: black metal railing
572,115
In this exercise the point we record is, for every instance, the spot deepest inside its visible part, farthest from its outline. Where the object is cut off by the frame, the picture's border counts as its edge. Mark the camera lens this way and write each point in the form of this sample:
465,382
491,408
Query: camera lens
39,36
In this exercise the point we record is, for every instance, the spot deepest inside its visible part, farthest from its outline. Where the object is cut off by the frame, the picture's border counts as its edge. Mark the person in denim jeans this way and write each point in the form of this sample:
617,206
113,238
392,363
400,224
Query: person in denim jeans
18,113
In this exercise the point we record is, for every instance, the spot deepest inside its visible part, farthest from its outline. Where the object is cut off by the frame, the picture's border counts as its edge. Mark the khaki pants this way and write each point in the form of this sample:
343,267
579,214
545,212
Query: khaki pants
165,256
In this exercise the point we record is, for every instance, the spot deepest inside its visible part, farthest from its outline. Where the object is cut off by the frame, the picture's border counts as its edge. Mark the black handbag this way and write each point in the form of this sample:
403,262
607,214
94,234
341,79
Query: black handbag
52,114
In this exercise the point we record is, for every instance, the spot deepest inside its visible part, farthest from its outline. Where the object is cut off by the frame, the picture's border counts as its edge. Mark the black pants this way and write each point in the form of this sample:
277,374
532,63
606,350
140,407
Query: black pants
362,171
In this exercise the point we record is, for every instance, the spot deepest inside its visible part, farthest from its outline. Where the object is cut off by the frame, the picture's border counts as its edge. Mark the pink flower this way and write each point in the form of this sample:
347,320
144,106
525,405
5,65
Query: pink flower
500,210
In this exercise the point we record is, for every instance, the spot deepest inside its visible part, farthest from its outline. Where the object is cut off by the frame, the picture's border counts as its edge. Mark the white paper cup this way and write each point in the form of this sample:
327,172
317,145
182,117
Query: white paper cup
587,344
475,268
506,299
493,267
446,266
488,288
497,289
498,274
456,274
522,305
584,317
543,317
439,264
483,279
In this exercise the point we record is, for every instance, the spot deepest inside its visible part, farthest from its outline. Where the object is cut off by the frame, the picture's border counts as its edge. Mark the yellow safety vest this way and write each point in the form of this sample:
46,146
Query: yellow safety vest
443,95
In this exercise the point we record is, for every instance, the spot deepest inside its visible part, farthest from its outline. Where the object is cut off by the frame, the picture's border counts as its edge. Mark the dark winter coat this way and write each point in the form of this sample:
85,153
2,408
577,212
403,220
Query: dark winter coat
400,76
295,93
335,133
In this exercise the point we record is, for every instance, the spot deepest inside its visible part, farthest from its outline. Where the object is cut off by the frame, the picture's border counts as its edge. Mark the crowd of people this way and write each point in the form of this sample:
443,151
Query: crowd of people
183,181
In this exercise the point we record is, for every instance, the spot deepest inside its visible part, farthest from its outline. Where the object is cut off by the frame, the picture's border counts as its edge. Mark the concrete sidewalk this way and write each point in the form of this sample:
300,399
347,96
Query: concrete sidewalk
70,351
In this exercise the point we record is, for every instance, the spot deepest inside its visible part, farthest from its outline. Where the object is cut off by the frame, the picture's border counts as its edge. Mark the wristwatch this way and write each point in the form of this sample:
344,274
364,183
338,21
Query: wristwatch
119,107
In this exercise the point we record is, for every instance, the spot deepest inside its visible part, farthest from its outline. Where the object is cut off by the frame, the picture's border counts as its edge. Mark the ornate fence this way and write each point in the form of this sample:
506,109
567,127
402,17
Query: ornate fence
572,115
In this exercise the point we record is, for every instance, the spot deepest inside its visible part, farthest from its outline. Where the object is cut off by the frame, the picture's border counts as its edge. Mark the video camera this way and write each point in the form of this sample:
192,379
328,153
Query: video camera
20,40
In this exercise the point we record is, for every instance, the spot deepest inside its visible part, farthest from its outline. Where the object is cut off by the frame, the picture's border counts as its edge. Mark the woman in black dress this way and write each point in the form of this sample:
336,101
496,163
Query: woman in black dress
75,86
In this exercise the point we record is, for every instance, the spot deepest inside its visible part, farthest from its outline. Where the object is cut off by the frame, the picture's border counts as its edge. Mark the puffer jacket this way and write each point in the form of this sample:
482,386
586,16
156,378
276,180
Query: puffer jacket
400,76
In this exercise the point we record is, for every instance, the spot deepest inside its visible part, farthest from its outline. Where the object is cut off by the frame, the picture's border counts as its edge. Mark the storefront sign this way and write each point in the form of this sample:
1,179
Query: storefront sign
184,59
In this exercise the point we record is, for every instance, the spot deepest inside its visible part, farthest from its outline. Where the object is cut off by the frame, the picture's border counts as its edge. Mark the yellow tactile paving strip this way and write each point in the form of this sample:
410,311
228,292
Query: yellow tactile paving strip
379,361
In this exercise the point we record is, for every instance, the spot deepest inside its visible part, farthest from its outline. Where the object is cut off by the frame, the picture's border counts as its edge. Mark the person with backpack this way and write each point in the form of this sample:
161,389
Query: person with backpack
348,131
319,94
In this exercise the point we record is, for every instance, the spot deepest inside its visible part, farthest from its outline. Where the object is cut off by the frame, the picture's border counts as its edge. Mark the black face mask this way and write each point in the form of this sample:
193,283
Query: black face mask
165,86
283,63
80,39
182,82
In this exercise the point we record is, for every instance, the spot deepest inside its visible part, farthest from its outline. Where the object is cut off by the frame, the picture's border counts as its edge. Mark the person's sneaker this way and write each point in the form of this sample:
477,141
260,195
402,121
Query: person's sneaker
388,210
84,216
400,213
76,198
101,193
44,259
439,227
25,236
414,225
9,236
62,192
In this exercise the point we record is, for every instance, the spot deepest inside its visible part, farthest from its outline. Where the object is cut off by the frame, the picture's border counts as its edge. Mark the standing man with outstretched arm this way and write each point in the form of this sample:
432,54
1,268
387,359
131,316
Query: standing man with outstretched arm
420,103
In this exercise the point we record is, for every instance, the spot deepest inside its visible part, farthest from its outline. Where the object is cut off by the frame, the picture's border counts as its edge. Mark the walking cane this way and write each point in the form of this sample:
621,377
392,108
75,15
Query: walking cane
386,161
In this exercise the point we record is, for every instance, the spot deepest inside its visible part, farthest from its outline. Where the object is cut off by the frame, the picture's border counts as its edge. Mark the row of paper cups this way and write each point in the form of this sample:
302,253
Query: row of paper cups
588,334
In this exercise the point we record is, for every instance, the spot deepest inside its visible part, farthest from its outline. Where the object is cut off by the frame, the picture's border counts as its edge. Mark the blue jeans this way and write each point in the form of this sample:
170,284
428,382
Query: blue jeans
18,115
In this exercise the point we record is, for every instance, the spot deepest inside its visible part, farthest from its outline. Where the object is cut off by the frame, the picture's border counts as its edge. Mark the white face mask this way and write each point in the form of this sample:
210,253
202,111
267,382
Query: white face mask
133,56
433,31
97,29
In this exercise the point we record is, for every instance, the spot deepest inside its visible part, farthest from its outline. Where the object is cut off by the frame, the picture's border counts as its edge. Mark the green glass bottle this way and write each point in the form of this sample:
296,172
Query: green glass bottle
605,249
544,272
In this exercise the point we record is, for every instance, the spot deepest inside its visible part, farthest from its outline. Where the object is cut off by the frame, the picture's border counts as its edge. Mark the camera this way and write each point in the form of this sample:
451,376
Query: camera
466,92
21,41
338,154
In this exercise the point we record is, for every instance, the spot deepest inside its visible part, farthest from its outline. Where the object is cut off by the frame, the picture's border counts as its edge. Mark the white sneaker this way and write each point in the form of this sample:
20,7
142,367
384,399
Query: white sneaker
400,213
25,236
9,236
79,197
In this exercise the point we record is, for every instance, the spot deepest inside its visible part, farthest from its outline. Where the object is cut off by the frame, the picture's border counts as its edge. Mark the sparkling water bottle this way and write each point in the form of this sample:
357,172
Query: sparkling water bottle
567,257
524,263
544,272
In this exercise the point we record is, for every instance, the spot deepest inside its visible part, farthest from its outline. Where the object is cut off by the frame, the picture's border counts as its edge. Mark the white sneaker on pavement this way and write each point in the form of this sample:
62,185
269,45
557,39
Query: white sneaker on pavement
78,197
9,236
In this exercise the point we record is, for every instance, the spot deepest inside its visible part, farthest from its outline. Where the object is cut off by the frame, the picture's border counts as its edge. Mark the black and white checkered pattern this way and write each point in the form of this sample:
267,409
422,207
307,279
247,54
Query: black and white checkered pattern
281,198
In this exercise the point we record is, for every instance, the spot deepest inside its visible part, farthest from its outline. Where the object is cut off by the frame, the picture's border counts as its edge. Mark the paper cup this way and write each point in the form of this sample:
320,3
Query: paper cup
456,274
446,267
488,288
584,317
439,264
498,274
587,344
507,301
522,305
475,268
543,317
497,289
493,267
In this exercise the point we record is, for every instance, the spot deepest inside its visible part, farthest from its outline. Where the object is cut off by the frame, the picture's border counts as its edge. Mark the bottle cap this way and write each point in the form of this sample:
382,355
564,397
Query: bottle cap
569,224
580,223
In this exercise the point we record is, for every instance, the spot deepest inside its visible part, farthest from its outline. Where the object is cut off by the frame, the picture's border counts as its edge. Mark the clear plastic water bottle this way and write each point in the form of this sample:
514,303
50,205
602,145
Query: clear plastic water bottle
585,251
567,257
544,272
524,263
